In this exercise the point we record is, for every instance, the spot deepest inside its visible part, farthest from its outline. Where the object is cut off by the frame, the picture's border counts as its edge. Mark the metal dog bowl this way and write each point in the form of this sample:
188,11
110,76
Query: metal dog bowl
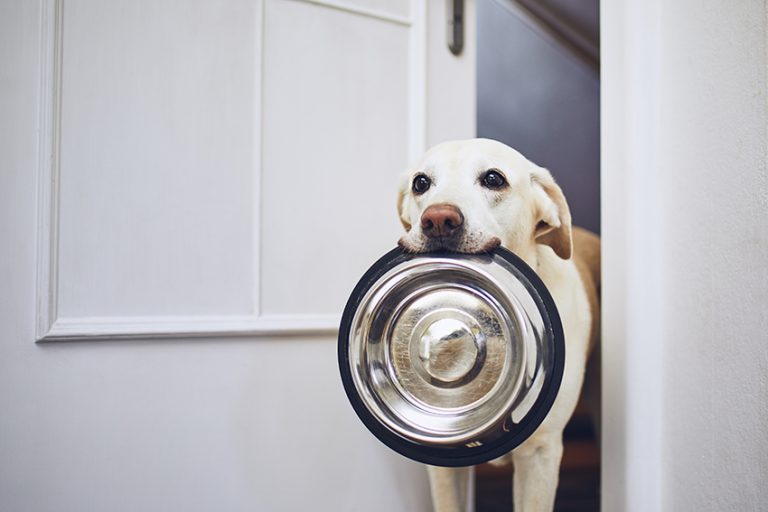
451,359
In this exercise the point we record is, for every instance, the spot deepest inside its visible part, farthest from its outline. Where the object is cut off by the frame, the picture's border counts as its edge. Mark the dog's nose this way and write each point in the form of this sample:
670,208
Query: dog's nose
441,220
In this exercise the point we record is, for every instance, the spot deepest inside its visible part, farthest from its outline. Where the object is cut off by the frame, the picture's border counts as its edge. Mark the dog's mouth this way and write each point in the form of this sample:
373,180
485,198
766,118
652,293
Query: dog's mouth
464,245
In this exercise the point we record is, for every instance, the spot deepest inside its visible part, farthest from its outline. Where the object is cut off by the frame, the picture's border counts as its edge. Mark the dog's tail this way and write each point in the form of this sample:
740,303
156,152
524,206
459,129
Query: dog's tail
586,253
586,247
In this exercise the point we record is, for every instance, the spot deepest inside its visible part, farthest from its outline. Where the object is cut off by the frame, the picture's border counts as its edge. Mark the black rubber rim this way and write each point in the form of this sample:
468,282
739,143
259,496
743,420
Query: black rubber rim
456,456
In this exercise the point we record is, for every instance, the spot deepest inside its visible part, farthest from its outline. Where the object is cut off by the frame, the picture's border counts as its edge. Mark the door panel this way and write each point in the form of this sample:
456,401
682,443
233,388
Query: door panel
230,167
156,163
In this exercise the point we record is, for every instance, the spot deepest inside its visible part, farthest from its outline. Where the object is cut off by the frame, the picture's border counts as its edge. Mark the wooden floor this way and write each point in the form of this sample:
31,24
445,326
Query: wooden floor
579,488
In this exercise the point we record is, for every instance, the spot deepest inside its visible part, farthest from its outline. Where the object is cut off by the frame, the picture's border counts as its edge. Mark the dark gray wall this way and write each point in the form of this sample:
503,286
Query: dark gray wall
535,96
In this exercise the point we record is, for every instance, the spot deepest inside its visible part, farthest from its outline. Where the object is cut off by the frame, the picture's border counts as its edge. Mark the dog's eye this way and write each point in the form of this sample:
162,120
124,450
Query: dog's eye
421,184
493,179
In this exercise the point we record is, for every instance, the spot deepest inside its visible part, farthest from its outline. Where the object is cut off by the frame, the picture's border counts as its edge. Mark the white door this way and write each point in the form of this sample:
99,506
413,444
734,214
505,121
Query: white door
189,191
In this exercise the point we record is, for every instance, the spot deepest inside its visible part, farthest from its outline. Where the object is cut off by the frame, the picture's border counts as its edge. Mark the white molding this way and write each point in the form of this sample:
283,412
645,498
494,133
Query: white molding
160,327
48,165
361,11
49,327
258,160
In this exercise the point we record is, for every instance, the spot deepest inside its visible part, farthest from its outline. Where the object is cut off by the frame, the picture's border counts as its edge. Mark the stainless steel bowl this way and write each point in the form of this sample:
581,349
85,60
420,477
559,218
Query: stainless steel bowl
451,359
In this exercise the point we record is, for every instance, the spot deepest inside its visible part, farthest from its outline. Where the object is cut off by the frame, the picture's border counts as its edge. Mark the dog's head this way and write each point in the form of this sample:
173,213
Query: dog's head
470,196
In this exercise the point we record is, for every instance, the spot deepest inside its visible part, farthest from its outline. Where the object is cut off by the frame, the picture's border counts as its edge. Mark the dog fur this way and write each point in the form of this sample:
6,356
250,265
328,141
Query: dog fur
529,216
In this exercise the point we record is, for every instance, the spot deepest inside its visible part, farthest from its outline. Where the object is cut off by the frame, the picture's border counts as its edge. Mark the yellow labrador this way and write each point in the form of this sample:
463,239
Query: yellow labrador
470,196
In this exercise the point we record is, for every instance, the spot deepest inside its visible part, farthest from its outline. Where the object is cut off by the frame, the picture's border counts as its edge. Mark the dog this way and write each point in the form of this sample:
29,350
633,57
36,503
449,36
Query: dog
471,196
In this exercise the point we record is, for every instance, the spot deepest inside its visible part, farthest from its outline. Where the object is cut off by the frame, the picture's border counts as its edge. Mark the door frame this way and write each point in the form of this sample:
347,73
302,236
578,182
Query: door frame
632,376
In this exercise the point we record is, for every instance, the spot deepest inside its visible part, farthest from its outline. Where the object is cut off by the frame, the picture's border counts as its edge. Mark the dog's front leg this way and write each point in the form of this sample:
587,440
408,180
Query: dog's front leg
451,488
537,464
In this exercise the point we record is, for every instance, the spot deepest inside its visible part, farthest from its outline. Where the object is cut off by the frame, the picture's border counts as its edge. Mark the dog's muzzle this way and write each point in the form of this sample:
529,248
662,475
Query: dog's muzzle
451,359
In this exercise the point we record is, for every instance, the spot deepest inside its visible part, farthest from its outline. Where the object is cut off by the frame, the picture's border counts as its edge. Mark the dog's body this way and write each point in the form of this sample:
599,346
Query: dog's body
470,196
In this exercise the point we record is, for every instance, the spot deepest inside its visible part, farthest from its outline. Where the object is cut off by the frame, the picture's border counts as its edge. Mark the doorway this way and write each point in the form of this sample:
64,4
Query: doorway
538,90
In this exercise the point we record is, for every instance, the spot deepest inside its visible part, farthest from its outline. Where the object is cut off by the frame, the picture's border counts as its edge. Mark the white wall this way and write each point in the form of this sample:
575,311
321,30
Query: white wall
685,234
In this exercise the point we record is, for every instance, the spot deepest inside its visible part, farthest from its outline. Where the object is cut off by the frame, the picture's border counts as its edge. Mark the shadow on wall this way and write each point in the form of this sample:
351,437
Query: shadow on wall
536,95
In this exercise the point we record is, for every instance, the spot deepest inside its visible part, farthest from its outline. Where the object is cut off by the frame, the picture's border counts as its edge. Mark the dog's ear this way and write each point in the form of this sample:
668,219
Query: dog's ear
553,217
402,200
